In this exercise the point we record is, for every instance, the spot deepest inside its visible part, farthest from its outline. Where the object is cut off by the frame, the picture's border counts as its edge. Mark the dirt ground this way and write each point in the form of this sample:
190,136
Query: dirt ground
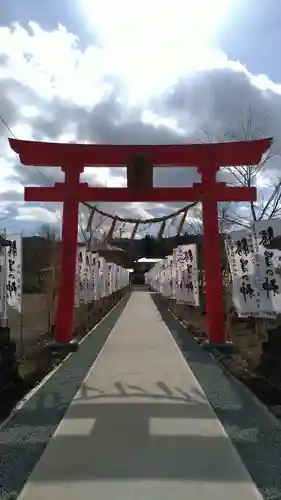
31,329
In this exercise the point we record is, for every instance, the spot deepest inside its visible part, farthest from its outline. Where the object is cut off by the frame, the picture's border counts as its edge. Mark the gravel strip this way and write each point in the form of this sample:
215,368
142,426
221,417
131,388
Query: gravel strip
253,431
24,437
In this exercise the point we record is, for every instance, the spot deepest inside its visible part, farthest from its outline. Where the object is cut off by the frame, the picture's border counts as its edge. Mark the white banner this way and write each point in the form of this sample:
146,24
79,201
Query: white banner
95,276
82,268
14,272
175,273
88,278
188,285
256,281
116,278
169,282
264,232
109,278
102,277
77,282
3,285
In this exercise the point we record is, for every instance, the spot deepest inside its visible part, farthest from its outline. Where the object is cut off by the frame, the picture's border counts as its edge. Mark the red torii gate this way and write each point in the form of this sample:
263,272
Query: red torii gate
208,158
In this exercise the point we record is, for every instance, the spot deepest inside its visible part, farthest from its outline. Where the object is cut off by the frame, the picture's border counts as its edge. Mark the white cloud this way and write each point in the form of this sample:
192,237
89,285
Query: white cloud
148,45
29,111
36,213
57,91
23,130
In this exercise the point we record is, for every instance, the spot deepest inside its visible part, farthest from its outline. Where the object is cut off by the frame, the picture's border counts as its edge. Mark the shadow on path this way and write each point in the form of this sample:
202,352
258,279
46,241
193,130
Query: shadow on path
254,432
125,440
25,435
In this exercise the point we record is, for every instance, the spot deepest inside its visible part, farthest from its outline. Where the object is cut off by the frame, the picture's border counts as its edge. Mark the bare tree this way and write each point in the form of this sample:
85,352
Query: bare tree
194,225
49,232
268,205
90,226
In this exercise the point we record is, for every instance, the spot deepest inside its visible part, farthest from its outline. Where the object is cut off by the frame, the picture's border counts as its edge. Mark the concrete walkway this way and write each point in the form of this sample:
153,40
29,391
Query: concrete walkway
140,427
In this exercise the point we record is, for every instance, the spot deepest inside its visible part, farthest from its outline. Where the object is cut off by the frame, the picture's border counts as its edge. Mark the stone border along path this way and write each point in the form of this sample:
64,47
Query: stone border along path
25,435
254,432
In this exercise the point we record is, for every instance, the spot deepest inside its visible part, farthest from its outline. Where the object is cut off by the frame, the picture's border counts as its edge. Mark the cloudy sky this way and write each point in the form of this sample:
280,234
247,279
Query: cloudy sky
132,72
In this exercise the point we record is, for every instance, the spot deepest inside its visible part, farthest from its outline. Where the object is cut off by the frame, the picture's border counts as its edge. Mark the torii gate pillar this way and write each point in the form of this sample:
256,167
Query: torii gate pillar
207,157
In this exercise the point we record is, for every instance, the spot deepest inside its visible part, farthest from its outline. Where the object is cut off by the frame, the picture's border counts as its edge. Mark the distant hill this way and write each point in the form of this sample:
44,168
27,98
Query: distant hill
150,246
153,247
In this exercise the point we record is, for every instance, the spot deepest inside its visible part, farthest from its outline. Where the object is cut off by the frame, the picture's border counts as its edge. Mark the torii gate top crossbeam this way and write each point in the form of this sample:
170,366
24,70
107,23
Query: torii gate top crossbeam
180,155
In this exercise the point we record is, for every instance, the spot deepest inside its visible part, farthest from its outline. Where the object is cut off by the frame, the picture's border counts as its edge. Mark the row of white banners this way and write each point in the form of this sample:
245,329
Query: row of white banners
176,276
96,278
255,271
